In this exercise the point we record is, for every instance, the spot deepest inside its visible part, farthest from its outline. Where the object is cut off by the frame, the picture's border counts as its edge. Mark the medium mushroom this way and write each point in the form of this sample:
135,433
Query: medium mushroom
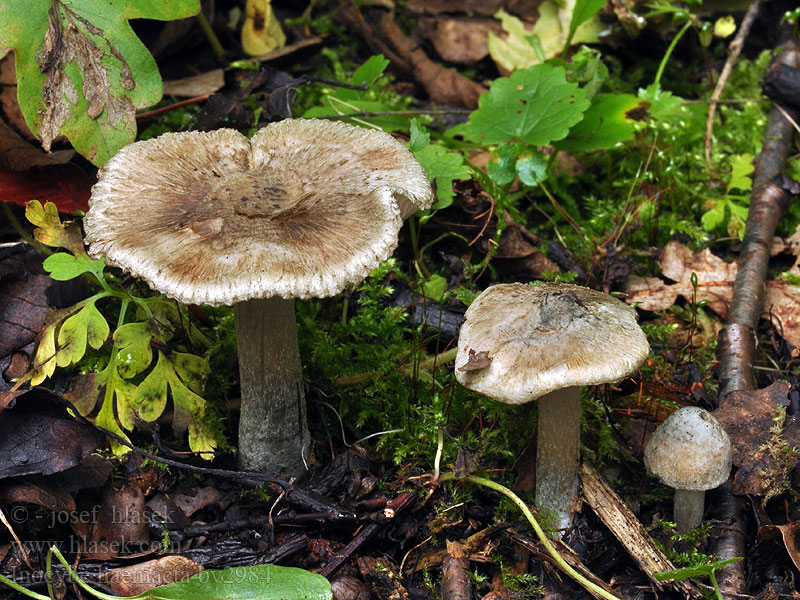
691,453
303,209
522,342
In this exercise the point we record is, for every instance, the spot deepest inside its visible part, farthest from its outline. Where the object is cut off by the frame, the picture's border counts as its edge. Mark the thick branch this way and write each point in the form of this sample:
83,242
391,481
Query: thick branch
736,347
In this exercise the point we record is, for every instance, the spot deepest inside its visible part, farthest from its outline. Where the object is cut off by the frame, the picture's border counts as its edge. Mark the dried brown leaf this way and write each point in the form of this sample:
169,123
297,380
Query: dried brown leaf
748,418
715,279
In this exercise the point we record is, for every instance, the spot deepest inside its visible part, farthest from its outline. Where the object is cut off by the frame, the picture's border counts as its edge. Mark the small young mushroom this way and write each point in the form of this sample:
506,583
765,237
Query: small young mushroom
522,342
691,453
303,209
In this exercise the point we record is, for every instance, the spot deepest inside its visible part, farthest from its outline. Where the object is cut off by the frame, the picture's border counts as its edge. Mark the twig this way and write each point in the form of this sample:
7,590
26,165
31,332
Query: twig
392,508
734,49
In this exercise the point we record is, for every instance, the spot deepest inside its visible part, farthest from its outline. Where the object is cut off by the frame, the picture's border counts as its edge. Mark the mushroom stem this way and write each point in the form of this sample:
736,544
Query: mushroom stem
688,509
273,432
557,452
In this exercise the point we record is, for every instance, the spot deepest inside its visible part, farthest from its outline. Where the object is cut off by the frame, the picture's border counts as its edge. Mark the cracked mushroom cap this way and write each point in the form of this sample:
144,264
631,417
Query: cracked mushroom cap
302,209
689,451
519,342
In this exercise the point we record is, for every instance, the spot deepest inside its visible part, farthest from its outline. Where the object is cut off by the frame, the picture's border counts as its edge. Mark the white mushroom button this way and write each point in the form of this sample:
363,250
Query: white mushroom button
691,453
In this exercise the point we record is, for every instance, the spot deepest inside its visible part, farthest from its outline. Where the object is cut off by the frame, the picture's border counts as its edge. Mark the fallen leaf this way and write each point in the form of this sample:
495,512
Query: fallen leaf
458,40
748,418
137,579
516,49
715,279
787,533
38,491
81,70
34,441
196,85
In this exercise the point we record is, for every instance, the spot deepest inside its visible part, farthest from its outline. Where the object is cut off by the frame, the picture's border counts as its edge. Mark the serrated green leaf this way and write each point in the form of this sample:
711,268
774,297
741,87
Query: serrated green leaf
62,266
442,166
151,395
532,169
85,326
741,168
434,287
536,106
611,119
50,231
81,70
419,136
694,571
265,582
134,350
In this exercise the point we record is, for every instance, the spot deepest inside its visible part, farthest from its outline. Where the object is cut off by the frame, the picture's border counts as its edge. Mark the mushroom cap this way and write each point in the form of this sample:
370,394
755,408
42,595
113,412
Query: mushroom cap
519,342
689,450
302,209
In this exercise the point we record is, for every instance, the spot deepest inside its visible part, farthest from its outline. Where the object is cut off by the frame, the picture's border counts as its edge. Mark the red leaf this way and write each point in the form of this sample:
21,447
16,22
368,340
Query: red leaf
67,186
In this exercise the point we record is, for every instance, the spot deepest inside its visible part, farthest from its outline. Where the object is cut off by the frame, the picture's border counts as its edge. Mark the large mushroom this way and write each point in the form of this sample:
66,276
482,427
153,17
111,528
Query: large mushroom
303,209
523,342
691,453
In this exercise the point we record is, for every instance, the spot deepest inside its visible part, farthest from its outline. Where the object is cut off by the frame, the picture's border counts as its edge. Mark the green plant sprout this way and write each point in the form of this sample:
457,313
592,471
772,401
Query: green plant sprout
145,325
256,582
703,570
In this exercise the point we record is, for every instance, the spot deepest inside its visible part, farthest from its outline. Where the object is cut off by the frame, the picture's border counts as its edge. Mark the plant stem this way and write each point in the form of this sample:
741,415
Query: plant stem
559,560
212,38
672,45
81,583
22,590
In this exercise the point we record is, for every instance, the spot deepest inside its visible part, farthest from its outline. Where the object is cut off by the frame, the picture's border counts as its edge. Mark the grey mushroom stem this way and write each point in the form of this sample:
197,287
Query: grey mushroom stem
688,509
273,432
557,452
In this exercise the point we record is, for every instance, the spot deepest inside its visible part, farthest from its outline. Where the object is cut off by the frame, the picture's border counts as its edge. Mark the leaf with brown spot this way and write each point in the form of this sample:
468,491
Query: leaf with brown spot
81,70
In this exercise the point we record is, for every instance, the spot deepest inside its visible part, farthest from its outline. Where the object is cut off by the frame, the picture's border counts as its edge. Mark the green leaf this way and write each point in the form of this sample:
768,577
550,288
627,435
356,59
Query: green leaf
151,395
367,73
714,217
503,166
62,266
531,168
536,106
441,165
582,12
611,119
346,102
190,368
434,287
694,571
81,70
51,231
44,363
741,169
85,326
265,582
134,350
